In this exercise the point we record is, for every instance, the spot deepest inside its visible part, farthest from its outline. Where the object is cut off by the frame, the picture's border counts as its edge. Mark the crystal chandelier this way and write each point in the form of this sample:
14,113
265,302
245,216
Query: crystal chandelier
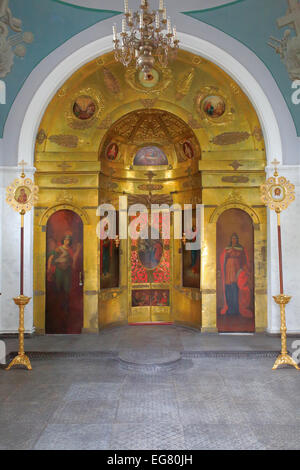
145,35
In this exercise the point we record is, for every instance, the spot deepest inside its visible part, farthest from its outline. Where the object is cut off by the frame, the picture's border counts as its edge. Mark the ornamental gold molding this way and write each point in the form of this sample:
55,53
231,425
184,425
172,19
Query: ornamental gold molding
184,84
165,77
234,201
68,205
109,294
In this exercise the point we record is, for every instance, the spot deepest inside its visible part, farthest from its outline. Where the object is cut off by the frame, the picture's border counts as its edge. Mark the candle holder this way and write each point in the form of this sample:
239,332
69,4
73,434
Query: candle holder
21,195
278,193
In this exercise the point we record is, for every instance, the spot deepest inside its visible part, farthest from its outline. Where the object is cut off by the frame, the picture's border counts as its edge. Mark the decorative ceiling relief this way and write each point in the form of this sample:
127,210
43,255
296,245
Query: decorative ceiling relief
116,129
11,45
288,48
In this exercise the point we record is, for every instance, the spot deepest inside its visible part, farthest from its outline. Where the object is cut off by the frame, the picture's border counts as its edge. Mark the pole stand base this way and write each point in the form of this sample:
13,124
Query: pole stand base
285,359
20,360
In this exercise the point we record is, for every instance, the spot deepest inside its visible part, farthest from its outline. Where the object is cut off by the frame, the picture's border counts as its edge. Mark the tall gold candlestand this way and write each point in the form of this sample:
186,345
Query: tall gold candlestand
277,193
21,196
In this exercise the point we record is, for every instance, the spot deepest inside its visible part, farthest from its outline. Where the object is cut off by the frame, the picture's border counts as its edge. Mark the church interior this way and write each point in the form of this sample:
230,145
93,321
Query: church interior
186,340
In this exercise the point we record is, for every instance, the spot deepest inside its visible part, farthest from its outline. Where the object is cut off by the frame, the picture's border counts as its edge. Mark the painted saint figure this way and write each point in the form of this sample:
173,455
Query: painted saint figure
61,263
150,253
22,198
234,262
106,255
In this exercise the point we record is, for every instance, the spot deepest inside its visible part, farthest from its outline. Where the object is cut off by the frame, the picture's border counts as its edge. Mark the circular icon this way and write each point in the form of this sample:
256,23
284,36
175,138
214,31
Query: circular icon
149,79
22,194
213,106
277,193
84,107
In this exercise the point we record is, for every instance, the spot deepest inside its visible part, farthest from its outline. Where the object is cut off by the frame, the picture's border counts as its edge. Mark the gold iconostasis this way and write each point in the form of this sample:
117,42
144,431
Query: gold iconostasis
185,134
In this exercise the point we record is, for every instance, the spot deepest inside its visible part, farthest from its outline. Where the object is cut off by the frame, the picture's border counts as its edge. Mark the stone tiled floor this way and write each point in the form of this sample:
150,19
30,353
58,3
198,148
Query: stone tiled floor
205,403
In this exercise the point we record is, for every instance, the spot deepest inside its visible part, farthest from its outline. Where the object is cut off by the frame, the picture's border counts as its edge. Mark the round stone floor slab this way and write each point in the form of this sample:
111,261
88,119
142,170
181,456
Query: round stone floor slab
149,360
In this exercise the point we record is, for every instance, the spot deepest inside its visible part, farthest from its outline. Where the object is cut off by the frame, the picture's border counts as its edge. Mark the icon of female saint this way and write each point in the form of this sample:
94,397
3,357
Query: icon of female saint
235,269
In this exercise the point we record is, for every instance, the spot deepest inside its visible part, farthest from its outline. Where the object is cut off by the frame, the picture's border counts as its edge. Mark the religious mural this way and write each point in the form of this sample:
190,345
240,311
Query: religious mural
191,261
64,266
235,282
150,252
214,106
84,107
188,149
112,151
150,258
151,297
150,156
109,263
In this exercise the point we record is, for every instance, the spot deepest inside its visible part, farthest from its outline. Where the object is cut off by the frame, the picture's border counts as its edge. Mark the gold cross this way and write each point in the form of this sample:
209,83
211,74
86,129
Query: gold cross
22,164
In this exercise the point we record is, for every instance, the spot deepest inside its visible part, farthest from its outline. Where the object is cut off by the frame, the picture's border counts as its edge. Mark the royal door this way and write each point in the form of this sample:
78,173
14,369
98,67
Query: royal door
150,278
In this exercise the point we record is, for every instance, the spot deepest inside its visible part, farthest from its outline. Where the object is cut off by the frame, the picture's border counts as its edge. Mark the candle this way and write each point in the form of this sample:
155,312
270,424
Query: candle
141,20
174,32
161,5
126,6
169,26
115,32
123,25
165,14
157,22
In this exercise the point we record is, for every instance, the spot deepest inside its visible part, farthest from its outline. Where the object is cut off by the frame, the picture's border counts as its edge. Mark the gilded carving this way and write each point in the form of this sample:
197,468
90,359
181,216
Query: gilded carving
235,165
41,136
258,134
235,179
150,187
165,76
64,180
69,141
184,84
111,82
64,196
230,138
